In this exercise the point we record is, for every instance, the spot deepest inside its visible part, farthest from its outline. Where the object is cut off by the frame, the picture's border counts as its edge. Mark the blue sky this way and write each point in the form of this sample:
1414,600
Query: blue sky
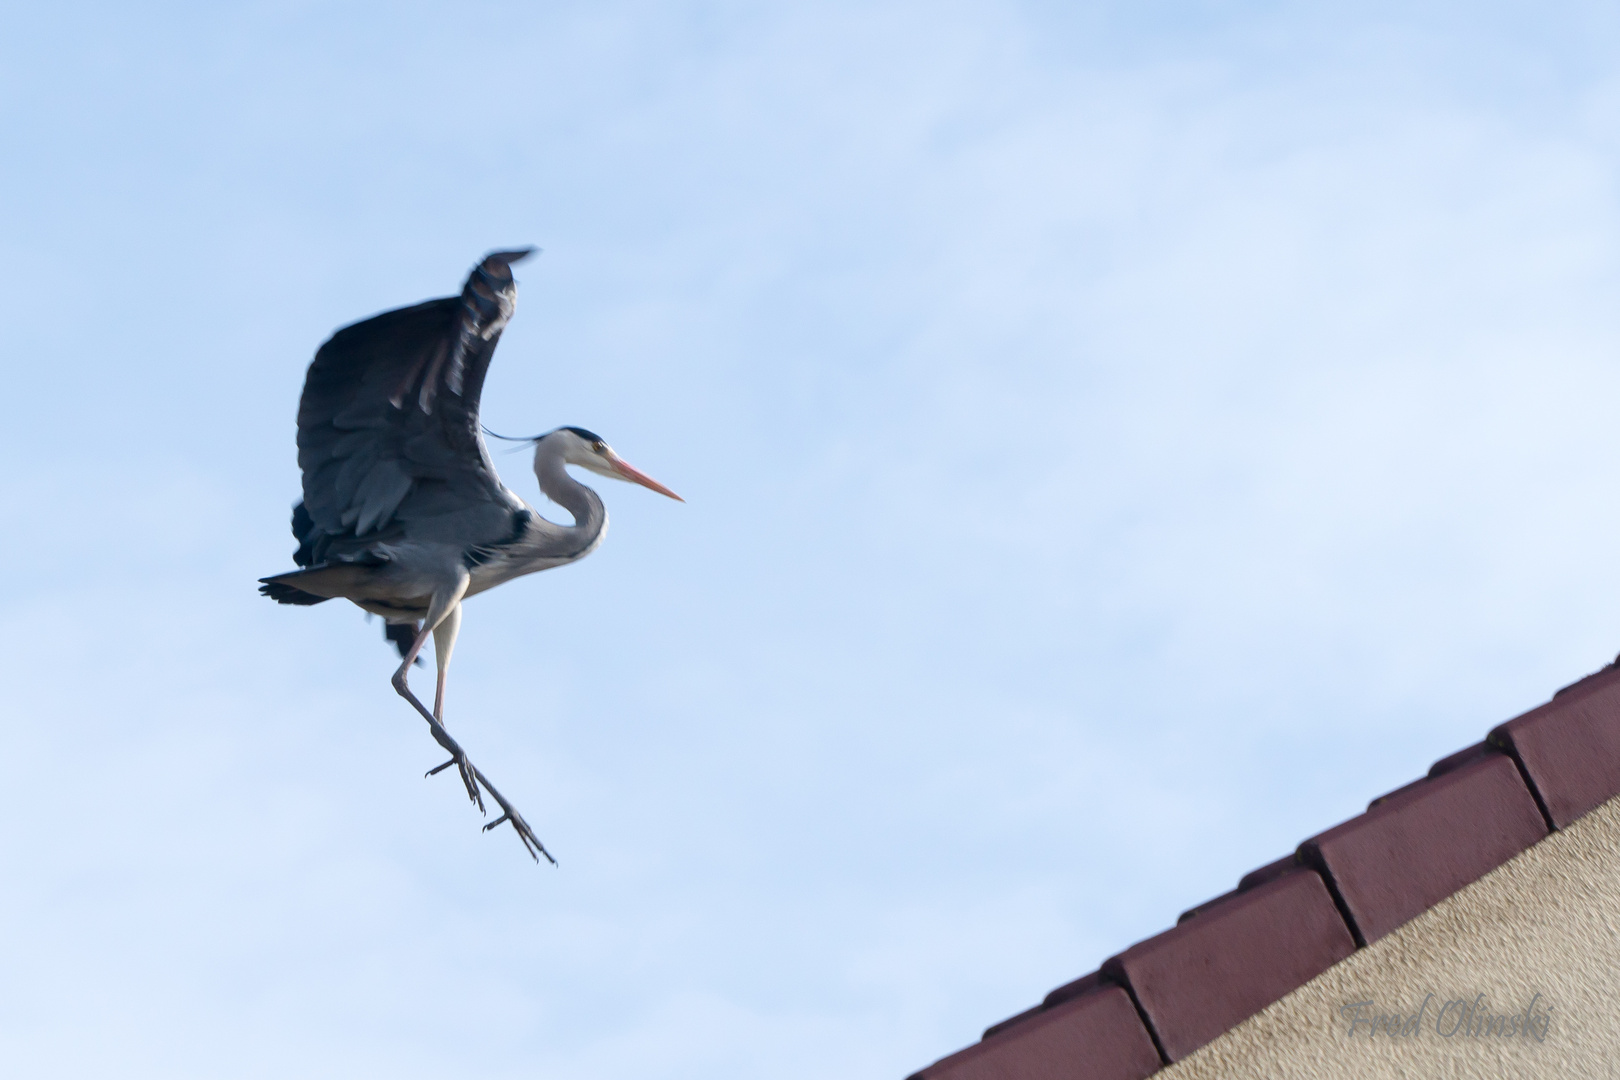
1119,441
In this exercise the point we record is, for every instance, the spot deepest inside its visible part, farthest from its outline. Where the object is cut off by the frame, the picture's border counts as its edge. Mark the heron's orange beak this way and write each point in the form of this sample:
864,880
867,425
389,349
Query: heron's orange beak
636,476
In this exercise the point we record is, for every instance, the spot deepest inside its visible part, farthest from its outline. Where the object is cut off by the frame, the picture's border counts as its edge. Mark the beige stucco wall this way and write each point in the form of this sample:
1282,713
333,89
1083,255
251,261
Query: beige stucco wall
1547,923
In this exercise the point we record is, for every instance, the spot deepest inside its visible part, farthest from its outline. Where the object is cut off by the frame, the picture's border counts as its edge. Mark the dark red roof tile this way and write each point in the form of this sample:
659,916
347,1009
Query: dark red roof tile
1199,979
1586,679
1012,1021
1466,756
1096,1036
1269,872
1450,763
1424,842
1570,747
1402,790
1085,984
1199,909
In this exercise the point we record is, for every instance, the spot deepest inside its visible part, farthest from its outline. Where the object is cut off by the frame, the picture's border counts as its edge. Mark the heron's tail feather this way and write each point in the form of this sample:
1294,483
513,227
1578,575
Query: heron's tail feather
283,593
321,582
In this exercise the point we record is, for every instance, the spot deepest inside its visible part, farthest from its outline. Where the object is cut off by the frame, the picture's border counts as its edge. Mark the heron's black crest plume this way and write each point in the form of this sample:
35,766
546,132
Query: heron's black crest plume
511,438
588,436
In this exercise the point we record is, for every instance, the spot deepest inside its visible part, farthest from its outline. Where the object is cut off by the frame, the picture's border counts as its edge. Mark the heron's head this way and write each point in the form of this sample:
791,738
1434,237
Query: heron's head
588,450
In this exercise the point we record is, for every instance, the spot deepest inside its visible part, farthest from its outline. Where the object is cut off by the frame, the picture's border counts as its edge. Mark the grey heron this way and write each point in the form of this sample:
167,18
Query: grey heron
403,513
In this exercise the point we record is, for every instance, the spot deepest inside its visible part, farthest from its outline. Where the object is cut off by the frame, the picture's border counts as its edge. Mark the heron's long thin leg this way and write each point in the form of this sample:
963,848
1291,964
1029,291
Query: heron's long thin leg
443,601
444,642
445,625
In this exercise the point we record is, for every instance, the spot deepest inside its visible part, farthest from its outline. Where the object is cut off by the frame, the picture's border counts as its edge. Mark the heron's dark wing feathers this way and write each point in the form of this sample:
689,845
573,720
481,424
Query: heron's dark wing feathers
403,635
388,432
303,528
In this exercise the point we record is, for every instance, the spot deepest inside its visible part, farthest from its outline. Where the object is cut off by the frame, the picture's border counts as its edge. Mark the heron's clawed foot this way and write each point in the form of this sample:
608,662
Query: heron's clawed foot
474,779
464,767
531,842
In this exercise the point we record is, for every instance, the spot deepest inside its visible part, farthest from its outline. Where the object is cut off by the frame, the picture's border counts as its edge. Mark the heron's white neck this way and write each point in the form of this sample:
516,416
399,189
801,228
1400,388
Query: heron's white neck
590,516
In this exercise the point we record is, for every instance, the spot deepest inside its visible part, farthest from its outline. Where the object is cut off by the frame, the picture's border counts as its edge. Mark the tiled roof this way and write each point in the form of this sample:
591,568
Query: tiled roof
1290,920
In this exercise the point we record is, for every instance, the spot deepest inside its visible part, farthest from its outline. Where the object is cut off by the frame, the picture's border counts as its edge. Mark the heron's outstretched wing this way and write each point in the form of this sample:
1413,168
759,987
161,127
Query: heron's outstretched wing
388,432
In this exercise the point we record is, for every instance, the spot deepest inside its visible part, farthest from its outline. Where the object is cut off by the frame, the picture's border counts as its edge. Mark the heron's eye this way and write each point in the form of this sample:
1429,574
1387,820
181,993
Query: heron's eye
600,447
